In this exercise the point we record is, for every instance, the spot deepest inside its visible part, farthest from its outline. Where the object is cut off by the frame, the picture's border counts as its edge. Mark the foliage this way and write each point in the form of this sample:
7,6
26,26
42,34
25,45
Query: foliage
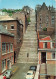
28,19
10,14
10,11
44,29
4,10
16,10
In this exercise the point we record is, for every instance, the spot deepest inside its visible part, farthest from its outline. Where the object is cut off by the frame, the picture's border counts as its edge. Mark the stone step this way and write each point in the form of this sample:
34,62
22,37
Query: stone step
43,71
25,55
27,37
33,49
42,77
31,39
24,59
29,44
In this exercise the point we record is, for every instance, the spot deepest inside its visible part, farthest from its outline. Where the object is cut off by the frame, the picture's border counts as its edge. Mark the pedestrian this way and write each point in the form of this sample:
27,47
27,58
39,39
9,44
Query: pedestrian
4,77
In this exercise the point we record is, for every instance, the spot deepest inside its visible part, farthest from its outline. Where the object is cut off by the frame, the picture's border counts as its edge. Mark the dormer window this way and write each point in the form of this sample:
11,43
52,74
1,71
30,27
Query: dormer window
12,27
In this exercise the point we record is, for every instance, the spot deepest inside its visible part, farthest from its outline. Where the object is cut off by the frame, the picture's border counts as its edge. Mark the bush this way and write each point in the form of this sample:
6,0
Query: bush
45,29
29,19
10,14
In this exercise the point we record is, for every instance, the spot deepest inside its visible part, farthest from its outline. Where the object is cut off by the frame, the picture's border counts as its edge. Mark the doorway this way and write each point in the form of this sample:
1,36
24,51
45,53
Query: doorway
14,56
8,64
43,57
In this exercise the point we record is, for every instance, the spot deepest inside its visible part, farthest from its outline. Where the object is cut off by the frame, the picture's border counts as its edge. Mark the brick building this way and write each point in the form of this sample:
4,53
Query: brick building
6,49
46,48
45,17
21,16
16,28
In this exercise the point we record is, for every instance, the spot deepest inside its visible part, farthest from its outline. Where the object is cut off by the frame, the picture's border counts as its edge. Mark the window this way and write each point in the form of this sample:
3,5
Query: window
7,47
53,45
45,45
11,47
52,19
8,64
3,48
5,26
47,19
3,64
40,18
12,27
40,26
47,24
53,55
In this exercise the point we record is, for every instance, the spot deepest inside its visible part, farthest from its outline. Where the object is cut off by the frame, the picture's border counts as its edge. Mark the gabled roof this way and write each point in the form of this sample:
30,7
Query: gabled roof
44,6
4,31
43,34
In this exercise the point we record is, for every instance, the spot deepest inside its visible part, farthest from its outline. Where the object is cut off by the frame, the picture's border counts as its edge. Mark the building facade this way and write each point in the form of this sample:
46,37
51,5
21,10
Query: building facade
21,16
45,17
16,28
6,49
46,49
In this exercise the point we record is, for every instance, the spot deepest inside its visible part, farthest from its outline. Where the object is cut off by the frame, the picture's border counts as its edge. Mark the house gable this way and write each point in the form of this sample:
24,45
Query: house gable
46,38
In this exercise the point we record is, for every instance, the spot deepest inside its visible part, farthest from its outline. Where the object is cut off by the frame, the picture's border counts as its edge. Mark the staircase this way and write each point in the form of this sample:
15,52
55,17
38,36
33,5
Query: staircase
43,71
28,51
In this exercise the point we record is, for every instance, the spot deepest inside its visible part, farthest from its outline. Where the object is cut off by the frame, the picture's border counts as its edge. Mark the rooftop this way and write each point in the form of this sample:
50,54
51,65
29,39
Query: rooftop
43,6
5,17
43,34
4,31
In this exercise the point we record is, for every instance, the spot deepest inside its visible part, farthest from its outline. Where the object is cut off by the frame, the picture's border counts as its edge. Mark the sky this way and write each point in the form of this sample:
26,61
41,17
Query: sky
18,4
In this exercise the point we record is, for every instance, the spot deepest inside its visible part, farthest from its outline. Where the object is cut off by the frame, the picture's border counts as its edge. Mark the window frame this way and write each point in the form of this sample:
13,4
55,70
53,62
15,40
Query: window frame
52,56
44,45
3,65
12,26
6,27
11,50
8,48
3,49
52,19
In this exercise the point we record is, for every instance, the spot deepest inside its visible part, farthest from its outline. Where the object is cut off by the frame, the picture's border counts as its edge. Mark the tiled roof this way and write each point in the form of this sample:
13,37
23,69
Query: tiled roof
5,17
43,34
4,31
